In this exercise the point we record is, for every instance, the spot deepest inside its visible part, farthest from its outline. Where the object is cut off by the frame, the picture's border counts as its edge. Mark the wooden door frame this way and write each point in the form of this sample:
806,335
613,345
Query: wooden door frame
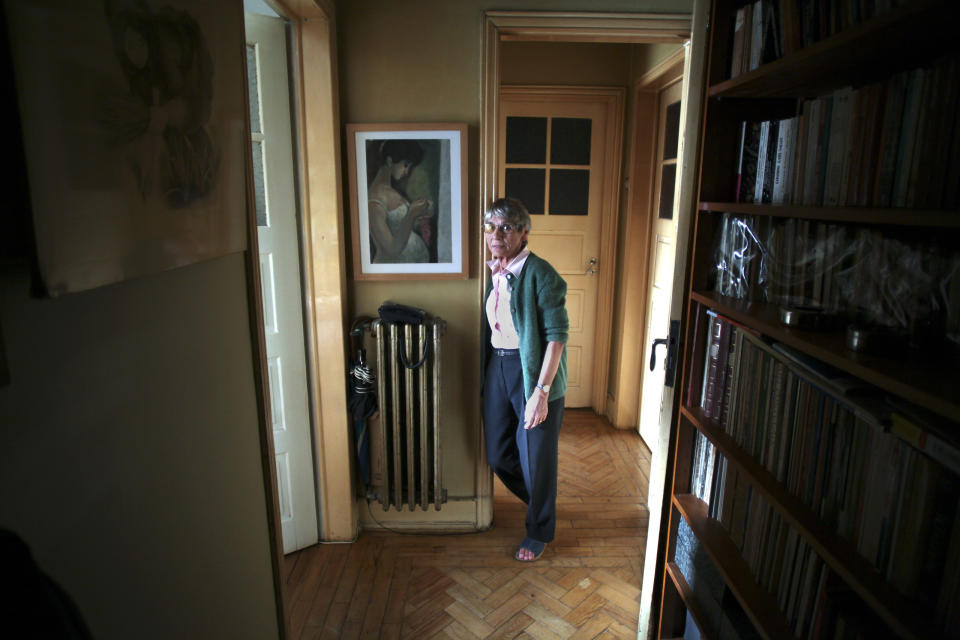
623,405
629,28
613,99
324,239
316,135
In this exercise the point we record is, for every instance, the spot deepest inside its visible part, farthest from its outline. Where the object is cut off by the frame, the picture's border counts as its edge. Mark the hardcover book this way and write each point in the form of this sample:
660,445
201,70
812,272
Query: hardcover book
749,161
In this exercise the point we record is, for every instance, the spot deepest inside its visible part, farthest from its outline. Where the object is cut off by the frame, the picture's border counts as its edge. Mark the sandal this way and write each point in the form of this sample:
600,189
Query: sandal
530,544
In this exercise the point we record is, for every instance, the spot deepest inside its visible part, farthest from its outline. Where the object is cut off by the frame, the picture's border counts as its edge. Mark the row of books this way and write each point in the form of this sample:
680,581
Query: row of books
765,30
813,601
894,143
893,494
871,277
721,612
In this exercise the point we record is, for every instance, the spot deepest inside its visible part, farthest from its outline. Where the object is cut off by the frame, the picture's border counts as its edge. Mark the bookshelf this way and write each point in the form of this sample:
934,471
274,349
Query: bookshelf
700,619
757,419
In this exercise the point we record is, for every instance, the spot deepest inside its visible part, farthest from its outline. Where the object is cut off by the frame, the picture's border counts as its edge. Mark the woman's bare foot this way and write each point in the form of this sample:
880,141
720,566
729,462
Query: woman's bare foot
530,550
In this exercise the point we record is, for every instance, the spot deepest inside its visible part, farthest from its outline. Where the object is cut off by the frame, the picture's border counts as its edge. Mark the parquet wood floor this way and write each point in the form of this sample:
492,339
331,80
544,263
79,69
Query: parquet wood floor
586,584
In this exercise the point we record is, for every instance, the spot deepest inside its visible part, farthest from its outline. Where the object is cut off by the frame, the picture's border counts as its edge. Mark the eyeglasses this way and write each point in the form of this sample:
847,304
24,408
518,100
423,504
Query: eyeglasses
506,227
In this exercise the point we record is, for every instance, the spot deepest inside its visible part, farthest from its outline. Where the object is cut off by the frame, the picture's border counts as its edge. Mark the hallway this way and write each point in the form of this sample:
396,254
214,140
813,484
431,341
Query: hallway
586,584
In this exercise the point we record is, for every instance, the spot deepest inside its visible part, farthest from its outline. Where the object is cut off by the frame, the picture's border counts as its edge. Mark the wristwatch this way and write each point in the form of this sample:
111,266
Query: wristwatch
544,387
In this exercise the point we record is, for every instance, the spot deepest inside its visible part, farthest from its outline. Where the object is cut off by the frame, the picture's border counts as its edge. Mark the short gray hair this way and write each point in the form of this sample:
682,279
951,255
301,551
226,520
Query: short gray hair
511,210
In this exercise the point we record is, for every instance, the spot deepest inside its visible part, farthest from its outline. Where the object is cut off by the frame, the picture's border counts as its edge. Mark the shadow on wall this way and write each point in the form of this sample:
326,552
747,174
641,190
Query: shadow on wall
30,600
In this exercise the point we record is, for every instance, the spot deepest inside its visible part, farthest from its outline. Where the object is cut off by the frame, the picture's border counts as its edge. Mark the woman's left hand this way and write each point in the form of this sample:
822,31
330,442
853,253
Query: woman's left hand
536,411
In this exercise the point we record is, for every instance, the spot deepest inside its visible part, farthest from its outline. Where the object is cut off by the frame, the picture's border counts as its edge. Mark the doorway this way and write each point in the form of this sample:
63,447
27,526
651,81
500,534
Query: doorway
631,28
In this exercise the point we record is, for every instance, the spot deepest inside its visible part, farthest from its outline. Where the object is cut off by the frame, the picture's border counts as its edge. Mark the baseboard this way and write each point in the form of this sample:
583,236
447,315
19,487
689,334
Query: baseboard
455,515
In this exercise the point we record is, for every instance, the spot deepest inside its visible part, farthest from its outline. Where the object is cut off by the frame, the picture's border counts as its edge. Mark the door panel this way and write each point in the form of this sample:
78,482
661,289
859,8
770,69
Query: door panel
663,249
277,234
553,157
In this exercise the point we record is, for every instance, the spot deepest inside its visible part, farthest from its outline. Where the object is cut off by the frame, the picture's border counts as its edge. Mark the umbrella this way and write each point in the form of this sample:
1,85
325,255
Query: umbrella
362,405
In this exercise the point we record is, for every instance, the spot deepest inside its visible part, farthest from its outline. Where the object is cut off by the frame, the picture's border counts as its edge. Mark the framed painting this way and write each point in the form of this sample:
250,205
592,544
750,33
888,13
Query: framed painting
408,198
133,116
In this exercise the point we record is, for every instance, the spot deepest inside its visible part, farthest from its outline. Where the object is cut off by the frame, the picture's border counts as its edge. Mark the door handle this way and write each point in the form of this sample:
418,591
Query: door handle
591,267
672,342
653,352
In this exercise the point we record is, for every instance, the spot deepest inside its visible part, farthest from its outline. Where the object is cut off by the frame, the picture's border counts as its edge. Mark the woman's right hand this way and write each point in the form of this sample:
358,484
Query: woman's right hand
421,208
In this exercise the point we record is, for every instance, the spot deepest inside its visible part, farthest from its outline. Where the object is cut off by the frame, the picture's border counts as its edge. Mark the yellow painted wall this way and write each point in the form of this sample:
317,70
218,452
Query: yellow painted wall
420,62
565,63
130,454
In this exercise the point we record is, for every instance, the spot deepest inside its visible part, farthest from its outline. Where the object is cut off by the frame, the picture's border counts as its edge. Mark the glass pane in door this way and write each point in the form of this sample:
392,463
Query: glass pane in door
526,140
569,192
528,186
570,141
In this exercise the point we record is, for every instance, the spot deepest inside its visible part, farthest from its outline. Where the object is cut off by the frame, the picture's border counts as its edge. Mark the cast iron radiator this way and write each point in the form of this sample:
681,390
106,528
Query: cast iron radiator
406,454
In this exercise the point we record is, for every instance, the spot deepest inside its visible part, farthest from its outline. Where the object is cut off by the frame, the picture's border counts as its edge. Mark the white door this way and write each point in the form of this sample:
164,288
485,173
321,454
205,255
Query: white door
280,278
694,73
553,155
663,246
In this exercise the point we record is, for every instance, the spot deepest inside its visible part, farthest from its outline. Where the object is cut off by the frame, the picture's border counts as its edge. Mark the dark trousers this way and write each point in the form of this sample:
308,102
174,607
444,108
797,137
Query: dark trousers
525,460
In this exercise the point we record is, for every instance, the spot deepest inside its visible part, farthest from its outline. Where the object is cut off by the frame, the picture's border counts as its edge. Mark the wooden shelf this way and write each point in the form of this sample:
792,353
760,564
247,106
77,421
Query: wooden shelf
854,215
868,52
707,631
836,551
928,380
917,33
759,605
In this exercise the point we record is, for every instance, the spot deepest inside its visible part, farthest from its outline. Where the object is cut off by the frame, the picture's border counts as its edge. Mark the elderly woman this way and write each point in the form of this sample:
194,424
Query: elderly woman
526,370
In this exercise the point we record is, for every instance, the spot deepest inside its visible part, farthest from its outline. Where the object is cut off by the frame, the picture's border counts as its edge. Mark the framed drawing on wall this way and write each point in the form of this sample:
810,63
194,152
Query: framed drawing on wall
408,198
133,117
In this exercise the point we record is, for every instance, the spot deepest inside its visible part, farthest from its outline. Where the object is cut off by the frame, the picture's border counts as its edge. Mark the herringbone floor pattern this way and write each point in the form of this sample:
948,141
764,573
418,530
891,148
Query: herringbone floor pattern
586,585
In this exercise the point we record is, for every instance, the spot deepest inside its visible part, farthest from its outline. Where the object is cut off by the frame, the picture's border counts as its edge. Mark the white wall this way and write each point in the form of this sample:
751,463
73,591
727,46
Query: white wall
130,456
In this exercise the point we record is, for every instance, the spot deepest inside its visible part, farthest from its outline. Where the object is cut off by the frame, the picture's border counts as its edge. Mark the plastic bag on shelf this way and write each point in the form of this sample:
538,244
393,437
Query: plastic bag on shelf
740,269
865,276
806,260
901,285
949,287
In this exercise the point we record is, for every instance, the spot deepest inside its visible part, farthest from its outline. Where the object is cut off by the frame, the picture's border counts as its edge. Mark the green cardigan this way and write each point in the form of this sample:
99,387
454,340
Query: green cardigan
538,308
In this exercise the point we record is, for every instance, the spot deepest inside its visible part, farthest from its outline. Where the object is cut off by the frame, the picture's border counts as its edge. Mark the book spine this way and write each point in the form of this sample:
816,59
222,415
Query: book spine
770,161
756,35
823,148
810,163
779,164
713,365
711,320
937,448
761,161
852,147
908,131
837,146
873,127
743,136
736,56
695,376
920,162
790,26
722,356
790,158
893,103
730,421
940,174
